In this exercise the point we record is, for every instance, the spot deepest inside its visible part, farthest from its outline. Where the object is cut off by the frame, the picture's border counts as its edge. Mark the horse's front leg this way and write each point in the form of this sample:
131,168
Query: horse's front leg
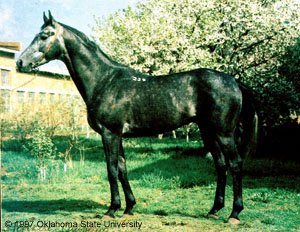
111,144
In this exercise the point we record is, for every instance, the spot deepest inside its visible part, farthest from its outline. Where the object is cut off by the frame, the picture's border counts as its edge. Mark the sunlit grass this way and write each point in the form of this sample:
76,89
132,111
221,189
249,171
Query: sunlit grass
174,188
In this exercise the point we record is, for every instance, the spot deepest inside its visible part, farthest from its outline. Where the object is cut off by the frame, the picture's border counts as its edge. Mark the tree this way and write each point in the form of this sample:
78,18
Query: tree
290,67
246,39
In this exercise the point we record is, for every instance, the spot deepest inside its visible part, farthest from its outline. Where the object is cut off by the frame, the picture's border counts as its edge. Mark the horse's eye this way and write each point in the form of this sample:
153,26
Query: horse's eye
46,35
43,36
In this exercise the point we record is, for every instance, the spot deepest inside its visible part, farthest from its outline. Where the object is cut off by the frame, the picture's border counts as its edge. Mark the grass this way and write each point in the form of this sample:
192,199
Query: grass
174,188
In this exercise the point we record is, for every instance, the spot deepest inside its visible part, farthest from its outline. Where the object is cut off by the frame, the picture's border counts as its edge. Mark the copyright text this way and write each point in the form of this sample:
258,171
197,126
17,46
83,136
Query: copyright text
82,224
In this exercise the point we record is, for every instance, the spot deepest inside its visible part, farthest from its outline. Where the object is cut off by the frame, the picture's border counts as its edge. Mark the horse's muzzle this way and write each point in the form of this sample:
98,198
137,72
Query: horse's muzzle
22,68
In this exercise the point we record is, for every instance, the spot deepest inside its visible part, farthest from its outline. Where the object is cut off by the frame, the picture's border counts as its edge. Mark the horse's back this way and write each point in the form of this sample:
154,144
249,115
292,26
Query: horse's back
191,96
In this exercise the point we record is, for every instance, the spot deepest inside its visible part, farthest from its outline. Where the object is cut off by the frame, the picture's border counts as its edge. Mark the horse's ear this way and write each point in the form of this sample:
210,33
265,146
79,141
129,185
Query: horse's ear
51,19
45,18
48,20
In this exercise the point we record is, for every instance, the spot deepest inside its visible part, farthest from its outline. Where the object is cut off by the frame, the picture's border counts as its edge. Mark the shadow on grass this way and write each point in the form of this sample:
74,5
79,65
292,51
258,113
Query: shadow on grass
192,169
51,206
185,169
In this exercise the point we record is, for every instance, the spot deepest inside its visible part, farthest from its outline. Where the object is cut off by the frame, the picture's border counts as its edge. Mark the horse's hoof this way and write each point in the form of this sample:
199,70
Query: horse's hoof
128,212
233,221
213,216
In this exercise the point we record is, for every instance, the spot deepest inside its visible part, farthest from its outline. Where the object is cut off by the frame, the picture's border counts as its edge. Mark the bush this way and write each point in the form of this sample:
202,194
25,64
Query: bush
42,148
63,117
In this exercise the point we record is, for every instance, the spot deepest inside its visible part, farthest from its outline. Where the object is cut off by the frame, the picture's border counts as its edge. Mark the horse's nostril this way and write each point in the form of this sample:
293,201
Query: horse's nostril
19,63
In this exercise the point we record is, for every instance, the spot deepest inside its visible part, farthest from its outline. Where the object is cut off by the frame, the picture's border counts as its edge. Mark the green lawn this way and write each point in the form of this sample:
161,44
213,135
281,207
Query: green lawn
174,188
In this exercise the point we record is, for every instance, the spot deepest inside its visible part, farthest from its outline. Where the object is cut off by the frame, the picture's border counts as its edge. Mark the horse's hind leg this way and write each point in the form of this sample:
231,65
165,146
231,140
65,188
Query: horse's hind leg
129,197
228,146
221,170
210,142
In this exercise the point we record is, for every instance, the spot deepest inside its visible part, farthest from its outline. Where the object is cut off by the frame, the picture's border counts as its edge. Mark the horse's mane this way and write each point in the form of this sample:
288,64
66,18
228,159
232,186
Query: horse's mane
88,43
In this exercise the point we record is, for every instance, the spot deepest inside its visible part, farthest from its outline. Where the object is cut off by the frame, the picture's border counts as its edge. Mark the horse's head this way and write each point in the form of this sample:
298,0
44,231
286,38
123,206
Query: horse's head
46,46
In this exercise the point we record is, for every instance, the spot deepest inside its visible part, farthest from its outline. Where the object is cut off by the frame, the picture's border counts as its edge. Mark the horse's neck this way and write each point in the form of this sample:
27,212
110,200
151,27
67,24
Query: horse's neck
86,66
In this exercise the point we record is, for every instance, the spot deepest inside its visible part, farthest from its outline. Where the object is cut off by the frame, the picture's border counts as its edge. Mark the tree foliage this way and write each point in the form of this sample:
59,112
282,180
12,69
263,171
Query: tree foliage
247,39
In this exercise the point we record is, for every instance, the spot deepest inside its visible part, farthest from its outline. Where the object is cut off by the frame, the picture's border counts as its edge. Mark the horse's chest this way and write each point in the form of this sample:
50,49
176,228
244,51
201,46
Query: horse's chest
111,115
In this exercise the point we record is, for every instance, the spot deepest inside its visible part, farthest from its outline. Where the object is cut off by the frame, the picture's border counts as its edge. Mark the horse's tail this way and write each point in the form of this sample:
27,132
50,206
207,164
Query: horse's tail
248,123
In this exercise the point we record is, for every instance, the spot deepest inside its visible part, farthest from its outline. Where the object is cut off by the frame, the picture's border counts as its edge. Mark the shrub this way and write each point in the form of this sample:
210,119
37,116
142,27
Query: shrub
42,148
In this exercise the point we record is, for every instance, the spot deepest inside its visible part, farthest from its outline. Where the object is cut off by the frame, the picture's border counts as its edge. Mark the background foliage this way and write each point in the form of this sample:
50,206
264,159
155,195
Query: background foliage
252,40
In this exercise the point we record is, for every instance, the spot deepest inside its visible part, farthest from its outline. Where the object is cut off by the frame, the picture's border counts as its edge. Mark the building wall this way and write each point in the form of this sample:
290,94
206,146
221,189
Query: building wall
17,88
53,98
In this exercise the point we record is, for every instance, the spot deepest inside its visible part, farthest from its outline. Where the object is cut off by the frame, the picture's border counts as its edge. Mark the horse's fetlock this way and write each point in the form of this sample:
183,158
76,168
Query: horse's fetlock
115,206
238,206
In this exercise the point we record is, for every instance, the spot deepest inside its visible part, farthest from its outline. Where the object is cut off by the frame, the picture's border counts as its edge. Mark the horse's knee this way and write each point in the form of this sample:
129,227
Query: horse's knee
220,163
236,166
